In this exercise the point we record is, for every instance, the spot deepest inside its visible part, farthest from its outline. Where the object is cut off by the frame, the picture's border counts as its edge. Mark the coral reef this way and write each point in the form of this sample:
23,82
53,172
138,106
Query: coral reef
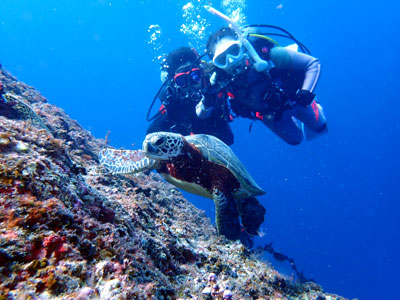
70,230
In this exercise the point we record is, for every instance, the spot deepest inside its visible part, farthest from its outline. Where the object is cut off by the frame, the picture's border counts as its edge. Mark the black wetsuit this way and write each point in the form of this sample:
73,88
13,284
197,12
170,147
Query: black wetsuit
178,114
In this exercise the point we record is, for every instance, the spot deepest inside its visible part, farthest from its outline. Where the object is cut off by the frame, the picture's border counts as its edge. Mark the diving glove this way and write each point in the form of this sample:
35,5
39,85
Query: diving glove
304,97
206,106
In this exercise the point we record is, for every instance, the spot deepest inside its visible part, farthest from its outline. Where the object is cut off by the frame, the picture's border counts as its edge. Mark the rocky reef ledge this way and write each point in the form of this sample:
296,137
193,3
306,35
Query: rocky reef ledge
70,230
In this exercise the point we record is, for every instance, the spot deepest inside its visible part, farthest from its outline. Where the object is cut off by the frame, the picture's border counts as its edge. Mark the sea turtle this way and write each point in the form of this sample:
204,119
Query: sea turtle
200,164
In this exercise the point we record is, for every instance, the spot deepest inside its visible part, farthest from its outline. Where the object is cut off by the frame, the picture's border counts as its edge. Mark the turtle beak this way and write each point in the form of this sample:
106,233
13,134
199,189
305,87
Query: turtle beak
147,147
149,150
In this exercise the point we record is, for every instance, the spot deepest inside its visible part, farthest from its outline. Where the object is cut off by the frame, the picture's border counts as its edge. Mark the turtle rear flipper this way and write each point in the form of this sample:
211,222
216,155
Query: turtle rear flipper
125,161
251,213
226,215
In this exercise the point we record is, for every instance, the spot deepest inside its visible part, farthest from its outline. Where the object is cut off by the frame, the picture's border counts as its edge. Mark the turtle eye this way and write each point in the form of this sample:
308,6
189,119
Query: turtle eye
160,141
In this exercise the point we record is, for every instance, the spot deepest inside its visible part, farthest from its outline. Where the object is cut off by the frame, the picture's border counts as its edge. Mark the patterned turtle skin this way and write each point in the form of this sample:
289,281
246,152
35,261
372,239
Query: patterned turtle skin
200,164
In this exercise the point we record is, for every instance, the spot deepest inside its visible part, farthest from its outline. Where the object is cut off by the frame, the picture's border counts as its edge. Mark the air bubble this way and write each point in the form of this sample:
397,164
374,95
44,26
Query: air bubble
155,42
234,9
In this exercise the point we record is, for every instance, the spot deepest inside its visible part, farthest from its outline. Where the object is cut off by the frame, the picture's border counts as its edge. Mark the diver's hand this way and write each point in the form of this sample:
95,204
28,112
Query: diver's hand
304,97
204,108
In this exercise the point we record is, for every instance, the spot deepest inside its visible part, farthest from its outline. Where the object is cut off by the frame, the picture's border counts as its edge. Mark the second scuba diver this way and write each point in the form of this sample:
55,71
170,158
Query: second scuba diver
185,88
280,95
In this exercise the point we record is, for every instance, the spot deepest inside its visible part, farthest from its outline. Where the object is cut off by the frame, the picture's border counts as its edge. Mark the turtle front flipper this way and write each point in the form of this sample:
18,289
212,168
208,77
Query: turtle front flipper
251,213
125,161
226,215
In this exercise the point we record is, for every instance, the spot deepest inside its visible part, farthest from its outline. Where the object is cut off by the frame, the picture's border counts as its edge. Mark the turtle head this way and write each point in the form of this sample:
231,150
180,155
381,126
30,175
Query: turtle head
163,145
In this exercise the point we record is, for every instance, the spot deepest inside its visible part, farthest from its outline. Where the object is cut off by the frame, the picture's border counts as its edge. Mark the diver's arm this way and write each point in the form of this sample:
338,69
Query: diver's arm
311,67
300,63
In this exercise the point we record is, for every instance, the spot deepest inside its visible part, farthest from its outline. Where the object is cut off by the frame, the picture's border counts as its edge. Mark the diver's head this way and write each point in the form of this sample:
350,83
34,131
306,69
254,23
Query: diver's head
225,49
188,76
183,74
182,66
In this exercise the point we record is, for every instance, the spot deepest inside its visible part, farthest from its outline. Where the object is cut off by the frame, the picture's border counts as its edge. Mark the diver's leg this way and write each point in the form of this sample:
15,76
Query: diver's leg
251,213
226,215
285,127
313,118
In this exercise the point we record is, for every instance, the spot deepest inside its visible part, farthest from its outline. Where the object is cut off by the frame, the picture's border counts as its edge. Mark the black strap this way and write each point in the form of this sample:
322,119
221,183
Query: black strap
152,103
287,34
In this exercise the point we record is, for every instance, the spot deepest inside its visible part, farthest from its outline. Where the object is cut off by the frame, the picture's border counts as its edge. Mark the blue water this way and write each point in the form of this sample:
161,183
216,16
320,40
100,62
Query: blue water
332,203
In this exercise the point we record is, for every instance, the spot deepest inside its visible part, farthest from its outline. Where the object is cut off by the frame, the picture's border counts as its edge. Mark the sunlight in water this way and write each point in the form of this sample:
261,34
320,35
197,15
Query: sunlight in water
196,21
234,9
196,24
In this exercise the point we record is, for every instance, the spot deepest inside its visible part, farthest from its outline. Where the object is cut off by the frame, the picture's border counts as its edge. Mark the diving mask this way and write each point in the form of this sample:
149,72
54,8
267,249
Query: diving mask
228,53
183,79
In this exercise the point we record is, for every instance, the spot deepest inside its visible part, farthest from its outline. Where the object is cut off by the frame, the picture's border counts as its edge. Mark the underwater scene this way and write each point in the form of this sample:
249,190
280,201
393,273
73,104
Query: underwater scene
193,149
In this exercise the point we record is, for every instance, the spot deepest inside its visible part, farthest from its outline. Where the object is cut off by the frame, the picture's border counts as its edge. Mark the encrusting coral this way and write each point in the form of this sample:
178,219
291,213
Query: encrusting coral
70,230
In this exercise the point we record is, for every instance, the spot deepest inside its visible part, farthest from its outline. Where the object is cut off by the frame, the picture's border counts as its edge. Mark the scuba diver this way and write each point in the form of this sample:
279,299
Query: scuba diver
184,91
267,82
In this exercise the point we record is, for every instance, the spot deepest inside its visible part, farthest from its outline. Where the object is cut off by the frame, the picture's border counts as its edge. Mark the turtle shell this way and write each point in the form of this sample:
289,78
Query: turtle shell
218,152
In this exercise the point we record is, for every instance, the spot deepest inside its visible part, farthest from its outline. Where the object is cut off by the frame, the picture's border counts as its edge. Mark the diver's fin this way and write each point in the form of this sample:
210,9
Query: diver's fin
310,134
